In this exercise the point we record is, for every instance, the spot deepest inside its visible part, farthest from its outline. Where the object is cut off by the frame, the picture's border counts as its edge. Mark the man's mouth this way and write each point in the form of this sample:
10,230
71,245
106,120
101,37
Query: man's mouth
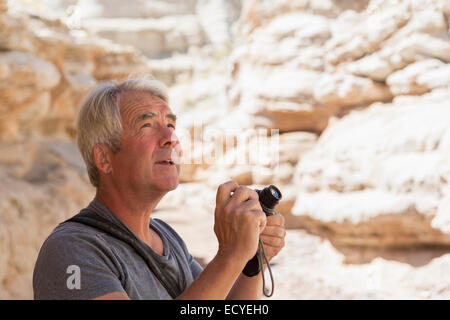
166,163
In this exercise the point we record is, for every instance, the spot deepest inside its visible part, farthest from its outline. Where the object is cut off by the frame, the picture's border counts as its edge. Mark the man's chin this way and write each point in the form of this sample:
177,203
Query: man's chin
167,186
172,187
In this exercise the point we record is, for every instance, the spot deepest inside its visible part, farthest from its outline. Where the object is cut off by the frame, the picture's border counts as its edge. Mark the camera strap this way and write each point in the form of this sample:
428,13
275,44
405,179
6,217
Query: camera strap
261,255
94,220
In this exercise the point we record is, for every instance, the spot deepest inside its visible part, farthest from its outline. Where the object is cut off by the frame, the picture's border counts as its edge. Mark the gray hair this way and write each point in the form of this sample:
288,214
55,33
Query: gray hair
99,120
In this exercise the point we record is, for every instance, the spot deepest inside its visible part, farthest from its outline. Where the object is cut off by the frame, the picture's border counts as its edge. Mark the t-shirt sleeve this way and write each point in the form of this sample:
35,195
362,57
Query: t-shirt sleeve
75,266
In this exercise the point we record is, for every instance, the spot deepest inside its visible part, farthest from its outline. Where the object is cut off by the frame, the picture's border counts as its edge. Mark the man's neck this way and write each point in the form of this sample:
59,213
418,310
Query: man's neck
132,210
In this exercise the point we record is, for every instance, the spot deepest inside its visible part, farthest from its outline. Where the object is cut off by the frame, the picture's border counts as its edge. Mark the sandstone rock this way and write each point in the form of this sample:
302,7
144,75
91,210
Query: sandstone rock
294,145
419,46
182,197
371,218
307,28
346,90
168,70
283,98
259,13
311,57
327,275
24,90
442,218
397,175
34,198
287,36
23,69
153,37
290,85
136,8
367,32
217,18
14,33
205,140
420,77
46,69
119,63
288,116
425,35
377,66
3,6
423,114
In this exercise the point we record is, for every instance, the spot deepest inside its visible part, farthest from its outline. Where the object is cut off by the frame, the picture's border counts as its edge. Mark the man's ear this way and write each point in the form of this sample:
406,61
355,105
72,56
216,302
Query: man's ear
102,158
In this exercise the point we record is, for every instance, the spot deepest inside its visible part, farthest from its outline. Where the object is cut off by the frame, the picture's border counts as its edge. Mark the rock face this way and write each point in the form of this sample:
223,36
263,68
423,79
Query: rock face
373,82
382,165
45,70
43,183
420,77
384,193
350,98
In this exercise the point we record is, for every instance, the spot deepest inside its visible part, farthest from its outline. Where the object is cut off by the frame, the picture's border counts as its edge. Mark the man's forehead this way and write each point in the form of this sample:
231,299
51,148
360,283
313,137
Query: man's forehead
134,103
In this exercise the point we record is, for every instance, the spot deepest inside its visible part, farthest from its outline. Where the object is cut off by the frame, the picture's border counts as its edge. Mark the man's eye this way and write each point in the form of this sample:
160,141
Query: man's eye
171,125
146,125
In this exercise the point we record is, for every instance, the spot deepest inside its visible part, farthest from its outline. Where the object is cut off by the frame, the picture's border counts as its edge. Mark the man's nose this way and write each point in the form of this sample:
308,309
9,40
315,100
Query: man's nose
169,138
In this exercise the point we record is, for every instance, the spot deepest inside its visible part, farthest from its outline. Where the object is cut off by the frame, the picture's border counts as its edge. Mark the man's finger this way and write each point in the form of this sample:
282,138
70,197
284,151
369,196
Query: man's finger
275,220
262,219
250,205
277,242
224,192
242,194
274,231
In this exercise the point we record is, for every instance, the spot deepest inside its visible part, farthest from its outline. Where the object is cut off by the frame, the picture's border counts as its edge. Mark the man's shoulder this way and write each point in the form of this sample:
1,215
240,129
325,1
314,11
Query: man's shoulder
71,234
73,245
73,229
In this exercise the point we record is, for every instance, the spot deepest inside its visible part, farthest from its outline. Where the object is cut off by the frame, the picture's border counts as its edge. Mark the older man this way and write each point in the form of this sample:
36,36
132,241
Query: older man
126,135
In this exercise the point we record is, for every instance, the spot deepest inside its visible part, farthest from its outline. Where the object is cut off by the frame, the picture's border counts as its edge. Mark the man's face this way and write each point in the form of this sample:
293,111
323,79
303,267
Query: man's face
148,139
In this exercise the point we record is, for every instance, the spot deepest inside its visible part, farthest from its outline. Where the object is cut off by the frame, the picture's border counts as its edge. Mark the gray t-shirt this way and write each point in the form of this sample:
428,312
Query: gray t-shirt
81,262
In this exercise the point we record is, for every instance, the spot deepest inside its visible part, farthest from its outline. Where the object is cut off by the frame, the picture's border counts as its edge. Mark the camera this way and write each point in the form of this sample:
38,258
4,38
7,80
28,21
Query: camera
268,198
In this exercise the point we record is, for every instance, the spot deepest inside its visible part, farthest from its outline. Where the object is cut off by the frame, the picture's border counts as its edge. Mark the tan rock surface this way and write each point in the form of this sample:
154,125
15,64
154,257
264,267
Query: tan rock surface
376,175
310,268
47,68
36,195
342,90
420,77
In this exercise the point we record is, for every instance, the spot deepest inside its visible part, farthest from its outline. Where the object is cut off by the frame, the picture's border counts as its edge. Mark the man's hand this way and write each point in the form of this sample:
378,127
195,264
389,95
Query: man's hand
273,235
239,220
238,223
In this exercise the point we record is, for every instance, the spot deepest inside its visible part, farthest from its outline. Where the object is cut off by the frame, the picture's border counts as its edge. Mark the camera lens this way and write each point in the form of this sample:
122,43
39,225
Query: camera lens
268,198
274,192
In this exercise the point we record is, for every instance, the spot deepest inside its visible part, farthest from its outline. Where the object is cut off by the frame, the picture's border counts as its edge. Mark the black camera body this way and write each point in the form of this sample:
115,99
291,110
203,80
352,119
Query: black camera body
268,198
